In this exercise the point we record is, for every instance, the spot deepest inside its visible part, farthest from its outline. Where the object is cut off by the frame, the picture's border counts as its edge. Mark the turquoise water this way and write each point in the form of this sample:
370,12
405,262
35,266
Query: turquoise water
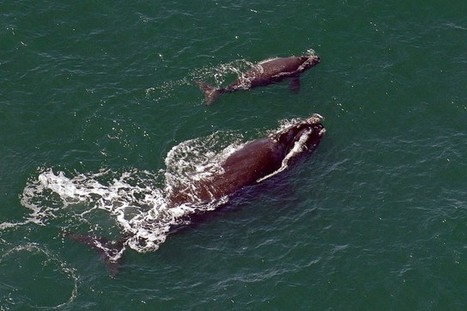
102,91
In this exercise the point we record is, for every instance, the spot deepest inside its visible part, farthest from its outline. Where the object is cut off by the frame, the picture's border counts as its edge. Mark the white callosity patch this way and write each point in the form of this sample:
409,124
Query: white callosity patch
300,145
298,148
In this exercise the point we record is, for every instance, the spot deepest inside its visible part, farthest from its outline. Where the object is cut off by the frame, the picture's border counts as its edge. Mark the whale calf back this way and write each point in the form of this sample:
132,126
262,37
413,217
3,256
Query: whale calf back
264,73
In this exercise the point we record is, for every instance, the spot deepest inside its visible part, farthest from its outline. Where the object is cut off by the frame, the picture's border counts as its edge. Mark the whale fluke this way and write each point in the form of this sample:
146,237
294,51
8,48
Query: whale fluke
210,93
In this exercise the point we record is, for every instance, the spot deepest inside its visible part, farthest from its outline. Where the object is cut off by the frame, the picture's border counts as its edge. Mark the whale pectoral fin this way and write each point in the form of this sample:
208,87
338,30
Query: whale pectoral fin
109,251
294,84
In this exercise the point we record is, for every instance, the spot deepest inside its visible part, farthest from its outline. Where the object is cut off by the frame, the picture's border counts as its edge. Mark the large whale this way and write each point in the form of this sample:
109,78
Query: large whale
253,162
264,73
250,164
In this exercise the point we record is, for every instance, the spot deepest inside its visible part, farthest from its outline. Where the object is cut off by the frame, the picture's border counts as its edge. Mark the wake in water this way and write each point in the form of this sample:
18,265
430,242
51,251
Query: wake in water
134,199
129,198
220,73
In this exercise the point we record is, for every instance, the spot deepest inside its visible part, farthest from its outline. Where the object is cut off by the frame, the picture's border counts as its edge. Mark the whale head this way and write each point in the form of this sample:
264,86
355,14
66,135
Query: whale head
302,135
308,60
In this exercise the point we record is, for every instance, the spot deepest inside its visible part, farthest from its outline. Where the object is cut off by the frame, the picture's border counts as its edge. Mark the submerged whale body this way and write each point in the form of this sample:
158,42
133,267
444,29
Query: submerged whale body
264,73
249,164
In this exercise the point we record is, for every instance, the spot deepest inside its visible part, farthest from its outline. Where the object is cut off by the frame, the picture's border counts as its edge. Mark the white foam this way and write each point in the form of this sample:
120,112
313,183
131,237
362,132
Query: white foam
198,159
134,199
127,197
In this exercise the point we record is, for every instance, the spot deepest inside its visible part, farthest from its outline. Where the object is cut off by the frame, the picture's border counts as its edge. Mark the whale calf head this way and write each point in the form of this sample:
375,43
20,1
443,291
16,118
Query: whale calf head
310,60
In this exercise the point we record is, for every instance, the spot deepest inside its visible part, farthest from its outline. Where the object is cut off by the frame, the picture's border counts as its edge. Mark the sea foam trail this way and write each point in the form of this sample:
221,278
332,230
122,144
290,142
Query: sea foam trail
135,199
131,198
137,206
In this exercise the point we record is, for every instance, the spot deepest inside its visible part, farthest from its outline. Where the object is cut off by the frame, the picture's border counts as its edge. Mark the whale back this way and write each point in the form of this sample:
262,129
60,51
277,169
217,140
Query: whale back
274,70
252,163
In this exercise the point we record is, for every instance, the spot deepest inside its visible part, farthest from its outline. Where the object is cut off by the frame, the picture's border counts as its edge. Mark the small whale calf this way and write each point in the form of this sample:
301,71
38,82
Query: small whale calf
264,73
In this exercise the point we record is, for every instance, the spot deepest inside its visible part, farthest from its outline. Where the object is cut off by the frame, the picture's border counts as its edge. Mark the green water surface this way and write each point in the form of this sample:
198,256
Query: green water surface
375,219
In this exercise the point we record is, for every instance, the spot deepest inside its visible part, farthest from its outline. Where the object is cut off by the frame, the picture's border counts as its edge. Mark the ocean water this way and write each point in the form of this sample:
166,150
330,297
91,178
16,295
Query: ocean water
98,104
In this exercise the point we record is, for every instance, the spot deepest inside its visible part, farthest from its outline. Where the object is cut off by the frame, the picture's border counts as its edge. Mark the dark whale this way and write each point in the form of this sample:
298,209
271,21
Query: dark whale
264,73
252,163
